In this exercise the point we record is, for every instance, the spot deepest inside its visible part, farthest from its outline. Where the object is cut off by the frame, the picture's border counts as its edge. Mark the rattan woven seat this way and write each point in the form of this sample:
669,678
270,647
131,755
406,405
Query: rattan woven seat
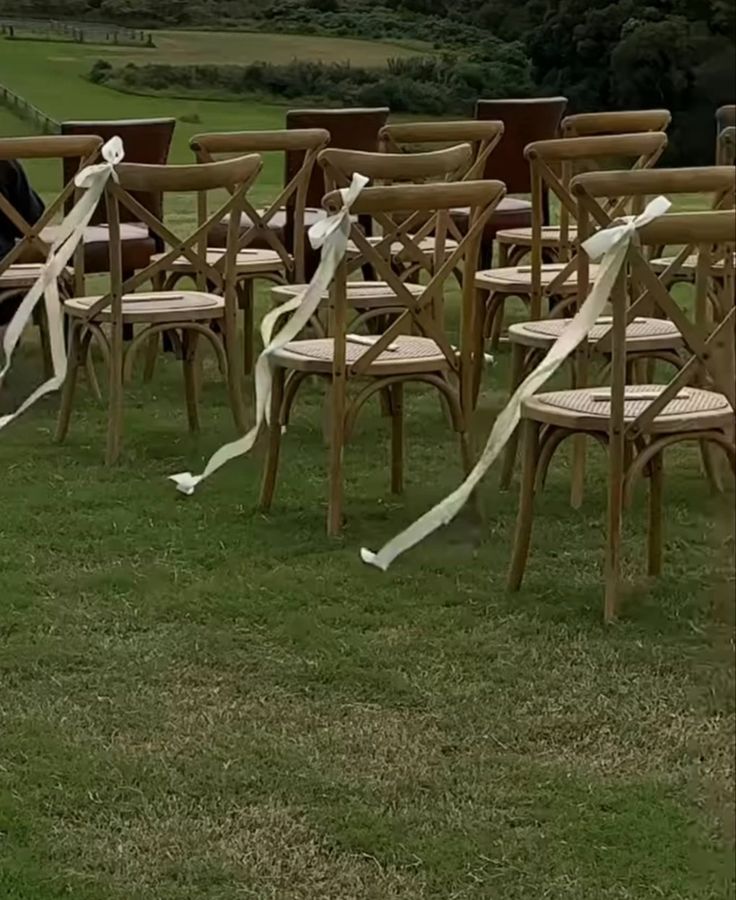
361,294
513,279
550,236
251,261
164,306
687,267
589,409
641,334
22,276
398,250
406,354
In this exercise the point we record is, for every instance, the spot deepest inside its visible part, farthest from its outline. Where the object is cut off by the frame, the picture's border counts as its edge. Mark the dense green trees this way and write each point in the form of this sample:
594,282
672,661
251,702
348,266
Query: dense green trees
601,54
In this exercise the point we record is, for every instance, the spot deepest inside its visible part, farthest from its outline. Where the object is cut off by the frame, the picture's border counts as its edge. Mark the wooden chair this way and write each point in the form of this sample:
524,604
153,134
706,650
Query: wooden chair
22,265
638,422
524,121
552,164
383,362
192,312
648,338
145,141
407,253
726,147
634,121
725,117
264,244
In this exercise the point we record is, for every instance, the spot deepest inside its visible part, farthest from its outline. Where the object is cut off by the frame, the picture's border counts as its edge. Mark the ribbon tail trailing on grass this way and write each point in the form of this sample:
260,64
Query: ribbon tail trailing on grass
331,234
611,244
70,233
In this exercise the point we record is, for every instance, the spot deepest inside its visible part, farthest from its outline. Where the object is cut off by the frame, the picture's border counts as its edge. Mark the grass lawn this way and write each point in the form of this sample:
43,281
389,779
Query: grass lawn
200,702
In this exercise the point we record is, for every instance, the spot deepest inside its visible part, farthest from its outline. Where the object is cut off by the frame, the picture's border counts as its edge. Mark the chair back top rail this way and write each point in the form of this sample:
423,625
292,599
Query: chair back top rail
260,141
340,165
142,178
420,197
461,131
726,116
624,122
710,227
726,147
49,147
598,146
643,182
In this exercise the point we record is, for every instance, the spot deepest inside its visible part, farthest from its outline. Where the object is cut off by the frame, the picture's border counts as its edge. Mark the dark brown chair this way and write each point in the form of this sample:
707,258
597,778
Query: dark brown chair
524,121
145,141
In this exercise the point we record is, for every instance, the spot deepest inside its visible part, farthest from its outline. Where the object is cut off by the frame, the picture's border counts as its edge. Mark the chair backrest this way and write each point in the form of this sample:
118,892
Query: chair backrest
595,192
413,137
725,117
624,122
349,129
707,357
235,176
524,121
84,151
382,205
553,163
145,141
293,196
726,147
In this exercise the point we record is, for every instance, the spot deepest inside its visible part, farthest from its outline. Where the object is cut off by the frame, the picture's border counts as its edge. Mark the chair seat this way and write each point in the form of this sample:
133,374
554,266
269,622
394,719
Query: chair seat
277,223
249,260
687,267
511,212
137,246
408,354
522,237
153,306
518,279
361,294
22,276
590,409
425,245
641,334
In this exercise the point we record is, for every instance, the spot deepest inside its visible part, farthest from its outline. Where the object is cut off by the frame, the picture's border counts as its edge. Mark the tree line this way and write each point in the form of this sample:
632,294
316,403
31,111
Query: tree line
601,54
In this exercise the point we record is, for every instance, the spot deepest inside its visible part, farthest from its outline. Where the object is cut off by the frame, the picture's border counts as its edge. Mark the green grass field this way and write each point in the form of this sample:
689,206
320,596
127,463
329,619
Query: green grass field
200,702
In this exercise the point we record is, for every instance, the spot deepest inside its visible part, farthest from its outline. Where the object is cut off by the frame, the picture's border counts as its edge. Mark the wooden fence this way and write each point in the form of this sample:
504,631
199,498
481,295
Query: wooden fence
78,32
28,112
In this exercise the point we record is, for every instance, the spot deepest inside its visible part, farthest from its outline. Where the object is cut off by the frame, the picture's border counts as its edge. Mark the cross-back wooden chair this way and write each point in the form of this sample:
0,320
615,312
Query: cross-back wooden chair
648,337
409,253
22,265
191,312
552,165
632,121
384,362
271,242
637,423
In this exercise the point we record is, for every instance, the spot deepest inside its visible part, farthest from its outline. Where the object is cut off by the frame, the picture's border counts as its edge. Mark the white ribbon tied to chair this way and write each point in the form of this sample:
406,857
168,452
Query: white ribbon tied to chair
330,234
610,245
70,233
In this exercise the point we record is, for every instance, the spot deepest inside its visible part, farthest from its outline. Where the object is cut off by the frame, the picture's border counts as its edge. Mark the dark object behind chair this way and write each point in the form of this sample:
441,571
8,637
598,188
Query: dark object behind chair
536,119
145,141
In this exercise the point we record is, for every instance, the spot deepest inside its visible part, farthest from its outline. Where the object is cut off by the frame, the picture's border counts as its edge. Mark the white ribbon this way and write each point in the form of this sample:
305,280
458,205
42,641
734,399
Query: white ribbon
331,234
70,233
612,244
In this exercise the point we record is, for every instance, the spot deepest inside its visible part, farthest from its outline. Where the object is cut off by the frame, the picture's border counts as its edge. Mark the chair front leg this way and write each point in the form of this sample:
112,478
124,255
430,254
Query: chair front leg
525,515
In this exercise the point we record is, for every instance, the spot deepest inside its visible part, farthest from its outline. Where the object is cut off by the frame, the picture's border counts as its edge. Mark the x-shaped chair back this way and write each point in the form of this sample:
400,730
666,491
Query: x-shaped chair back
594,193
708,342
293,196
382,204
632,121
438,166
553,164
235,176
30,245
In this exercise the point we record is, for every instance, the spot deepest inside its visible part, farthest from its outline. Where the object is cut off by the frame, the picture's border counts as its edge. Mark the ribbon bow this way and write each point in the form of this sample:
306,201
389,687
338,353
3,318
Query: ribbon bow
70,232
611,244
331,234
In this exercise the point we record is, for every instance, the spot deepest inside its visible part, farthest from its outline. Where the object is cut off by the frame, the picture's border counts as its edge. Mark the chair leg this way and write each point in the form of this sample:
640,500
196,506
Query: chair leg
518,354
711,466
655,515
496,328
234,370
397,438
270,471
477,358
191,380
246,303
70,382
579,441
617,454
115,397
525,515
41,320
149,363
337,443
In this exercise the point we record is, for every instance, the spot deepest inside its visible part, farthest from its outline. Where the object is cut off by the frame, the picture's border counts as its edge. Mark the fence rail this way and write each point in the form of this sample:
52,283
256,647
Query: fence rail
28,112
67,30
